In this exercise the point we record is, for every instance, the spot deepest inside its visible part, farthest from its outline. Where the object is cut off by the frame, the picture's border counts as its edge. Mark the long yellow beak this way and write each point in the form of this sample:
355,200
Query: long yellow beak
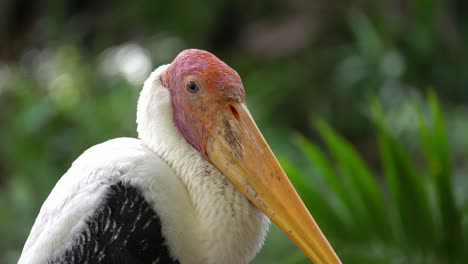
237,148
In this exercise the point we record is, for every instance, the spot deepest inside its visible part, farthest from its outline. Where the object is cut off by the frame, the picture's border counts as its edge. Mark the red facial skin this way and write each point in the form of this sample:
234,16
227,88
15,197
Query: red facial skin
196,113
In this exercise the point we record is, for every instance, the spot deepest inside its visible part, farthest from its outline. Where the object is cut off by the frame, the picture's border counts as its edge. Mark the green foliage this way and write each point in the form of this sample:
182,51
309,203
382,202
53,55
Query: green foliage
407,215
50,122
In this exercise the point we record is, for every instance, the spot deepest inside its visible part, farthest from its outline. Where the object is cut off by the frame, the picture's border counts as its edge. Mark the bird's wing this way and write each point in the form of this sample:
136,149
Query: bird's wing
98,213
124,229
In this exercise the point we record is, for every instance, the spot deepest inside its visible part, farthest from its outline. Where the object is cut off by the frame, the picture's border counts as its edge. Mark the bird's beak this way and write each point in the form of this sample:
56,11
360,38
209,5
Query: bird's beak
237,148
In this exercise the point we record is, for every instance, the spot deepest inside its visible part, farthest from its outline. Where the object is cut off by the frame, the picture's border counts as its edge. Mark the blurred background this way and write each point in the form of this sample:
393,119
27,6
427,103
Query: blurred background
365,102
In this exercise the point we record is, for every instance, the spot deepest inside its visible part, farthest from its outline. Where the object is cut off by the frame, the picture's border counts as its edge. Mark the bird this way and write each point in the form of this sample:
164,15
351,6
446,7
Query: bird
199,185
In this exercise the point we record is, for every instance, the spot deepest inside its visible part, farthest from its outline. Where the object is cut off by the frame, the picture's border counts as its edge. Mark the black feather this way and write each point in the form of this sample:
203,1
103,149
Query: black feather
125,229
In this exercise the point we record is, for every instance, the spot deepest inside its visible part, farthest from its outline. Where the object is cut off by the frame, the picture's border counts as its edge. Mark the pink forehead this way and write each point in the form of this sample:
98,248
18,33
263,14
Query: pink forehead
212,70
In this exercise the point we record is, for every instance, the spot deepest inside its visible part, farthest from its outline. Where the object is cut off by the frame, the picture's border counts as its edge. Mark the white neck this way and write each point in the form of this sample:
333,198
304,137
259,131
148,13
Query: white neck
228,229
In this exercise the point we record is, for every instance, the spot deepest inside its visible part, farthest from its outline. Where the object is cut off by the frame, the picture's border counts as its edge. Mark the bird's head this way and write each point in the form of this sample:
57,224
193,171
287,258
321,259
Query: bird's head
205,92
210,112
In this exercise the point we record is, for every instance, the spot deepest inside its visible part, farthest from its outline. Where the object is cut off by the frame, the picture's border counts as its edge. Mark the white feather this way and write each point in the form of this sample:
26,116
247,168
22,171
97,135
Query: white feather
204,218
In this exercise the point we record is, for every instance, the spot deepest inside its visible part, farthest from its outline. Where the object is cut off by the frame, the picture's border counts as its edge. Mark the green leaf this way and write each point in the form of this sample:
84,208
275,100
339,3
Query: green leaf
318,204
412,217
339,199
359,184
438,158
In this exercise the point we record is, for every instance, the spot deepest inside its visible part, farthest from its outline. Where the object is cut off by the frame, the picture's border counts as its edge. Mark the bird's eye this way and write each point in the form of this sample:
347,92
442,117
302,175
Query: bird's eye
192,87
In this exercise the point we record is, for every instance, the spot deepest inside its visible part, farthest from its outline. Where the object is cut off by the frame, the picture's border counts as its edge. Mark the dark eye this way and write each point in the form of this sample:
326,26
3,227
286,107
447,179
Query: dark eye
192,87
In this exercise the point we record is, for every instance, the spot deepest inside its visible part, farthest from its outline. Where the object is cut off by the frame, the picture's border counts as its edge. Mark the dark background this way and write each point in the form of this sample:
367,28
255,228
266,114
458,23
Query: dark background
71,71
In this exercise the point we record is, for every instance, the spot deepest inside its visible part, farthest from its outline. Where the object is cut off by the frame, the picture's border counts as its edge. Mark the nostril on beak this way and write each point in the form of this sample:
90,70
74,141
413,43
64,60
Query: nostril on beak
234,112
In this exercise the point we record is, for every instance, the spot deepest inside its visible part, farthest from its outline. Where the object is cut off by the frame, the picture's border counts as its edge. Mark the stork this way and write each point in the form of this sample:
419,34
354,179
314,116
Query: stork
197,186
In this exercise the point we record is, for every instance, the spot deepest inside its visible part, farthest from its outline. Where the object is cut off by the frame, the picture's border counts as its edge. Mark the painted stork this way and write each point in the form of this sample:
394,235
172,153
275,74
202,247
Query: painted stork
196,187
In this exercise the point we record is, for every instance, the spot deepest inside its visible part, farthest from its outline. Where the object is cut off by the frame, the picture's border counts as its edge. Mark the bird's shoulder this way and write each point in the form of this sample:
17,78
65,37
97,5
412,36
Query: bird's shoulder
116,160
119,153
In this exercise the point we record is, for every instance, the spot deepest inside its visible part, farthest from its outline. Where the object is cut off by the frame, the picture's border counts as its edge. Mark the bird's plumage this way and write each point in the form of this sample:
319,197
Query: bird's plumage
196,187
118,232
204,219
